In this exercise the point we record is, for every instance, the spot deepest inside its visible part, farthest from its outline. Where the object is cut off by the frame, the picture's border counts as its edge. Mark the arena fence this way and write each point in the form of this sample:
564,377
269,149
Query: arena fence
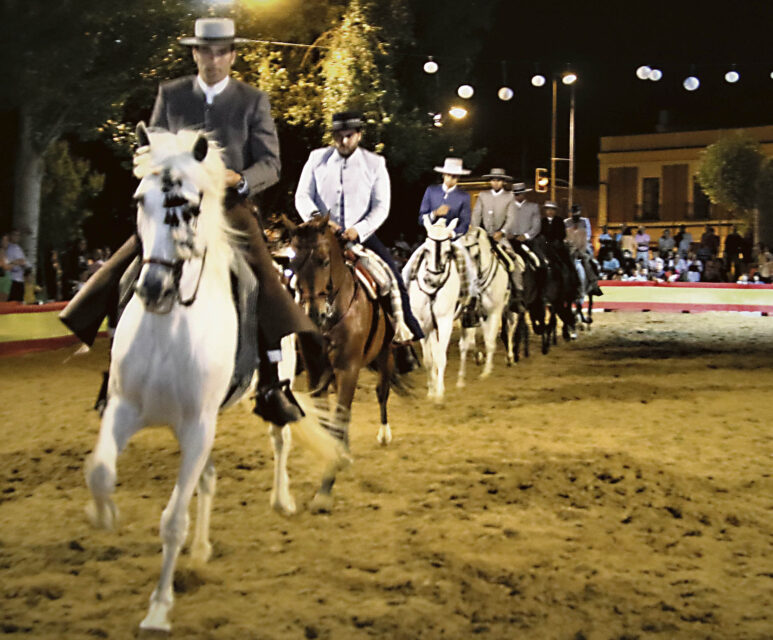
30,328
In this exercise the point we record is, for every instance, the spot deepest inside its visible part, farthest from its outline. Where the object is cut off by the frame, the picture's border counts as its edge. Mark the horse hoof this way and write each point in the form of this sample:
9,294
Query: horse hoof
284,507
480,358
201,553
105,517
384,436
321,503
460,383
157,618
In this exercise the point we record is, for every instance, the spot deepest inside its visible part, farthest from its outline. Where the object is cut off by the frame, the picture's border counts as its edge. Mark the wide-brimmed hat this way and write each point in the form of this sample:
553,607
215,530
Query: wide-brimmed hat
453,166
498,174
347,120
209,31
549,204
520,187
576,208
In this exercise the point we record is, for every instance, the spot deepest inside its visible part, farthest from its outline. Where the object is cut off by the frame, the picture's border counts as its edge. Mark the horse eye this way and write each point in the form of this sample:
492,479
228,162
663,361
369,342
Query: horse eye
325,262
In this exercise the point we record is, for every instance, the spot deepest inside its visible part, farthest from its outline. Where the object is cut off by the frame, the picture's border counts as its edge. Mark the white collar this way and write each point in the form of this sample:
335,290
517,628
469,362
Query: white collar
497,193
214,90
446,189
338,158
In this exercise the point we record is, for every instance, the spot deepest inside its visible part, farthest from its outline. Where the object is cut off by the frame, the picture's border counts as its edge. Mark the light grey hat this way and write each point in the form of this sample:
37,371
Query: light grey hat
520,187
208,31
549,204
498,174
453,166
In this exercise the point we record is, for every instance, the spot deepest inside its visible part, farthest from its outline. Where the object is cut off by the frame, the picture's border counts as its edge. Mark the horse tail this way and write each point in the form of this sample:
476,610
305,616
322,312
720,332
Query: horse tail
310,433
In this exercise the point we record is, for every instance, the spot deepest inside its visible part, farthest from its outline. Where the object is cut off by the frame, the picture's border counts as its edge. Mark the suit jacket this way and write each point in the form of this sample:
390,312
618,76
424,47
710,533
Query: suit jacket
524,220
361,178
239,119
554,231
458,202
491,211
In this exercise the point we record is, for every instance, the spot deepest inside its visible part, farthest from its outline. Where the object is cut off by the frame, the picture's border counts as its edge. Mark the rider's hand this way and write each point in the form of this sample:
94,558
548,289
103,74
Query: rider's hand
498,235
521,238
232,178
335,227
441,211
351,235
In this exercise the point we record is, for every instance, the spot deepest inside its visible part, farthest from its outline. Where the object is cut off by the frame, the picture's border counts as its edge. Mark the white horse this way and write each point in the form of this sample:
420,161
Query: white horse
493,288
174,348
434,292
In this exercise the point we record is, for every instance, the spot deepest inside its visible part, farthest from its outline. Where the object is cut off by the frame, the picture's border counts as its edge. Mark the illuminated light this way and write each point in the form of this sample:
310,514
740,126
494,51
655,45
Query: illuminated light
732,76
465,91
569,78
505,93
538,80
643,72
457,112
430,66
691,83
655,74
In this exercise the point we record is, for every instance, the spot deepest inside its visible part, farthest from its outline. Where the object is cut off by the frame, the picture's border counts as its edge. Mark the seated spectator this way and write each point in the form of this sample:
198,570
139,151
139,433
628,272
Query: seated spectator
765,264
694,272
609,265
606,243
658,268
628,264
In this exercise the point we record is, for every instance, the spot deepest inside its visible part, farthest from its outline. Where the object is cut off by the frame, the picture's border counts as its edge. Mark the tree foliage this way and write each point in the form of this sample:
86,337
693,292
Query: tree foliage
729,171
68,187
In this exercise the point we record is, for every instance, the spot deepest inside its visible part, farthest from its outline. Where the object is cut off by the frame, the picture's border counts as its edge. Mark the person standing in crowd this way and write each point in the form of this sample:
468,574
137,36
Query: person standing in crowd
709,247
351,185
53,276
5,268
733,250
18,264
642,240
683,241
627,242
665,244
238,117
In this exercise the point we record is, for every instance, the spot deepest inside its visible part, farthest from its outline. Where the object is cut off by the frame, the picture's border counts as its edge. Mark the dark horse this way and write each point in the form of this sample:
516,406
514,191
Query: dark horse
357,330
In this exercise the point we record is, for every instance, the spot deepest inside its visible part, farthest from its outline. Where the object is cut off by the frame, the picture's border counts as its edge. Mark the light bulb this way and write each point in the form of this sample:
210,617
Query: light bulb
505,93
643,72
430,66
465,91
457,112
538,80
655,74
569,78
732,76
691,83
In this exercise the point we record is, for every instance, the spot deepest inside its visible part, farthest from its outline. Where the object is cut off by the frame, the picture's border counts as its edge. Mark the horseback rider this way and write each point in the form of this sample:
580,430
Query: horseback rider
492,212
449,202
524,225
351,185
238,117
578,235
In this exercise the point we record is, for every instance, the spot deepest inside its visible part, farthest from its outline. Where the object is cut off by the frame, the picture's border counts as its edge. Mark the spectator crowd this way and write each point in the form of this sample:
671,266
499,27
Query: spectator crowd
675,256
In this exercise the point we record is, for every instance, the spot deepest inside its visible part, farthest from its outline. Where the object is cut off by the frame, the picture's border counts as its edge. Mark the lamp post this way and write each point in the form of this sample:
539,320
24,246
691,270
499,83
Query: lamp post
568,78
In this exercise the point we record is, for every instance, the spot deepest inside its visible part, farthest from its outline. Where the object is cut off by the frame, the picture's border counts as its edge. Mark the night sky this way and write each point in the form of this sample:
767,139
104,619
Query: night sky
605,42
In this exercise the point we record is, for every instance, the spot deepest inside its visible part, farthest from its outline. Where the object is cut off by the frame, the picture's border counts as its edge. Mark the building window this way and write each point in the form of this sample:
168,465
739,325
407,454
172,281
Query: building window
701,205
650,201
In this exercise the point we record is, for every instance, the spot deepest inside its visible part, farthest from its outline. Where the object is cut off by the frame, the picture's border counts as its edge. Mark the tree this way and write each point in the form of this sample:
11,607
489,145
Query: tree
66,65
735,174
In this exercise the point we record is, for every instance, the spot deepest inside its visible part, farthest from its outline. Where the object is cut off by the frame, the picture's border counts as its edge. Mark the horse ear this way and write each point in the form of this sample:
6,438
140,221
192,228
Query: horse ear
143,139
288,224
200,148
323,220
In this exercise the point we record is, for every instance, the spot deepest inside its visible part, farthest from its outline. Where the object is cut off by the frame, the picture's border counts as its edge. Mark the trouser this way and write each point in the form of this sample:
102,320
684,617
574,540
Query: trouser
278,314
378,247
16,294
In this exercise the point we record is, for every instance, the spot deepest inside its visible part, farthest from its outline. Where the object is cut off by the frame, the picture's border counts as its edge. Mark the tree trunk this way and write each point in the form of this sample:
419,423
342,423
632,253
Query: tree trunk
27,185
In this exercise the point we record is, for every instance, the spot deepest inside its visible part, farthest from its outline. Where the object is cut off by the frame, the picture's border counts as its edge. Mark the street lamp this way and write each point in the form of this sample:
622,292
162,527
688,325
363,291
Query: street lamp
457,112
568,78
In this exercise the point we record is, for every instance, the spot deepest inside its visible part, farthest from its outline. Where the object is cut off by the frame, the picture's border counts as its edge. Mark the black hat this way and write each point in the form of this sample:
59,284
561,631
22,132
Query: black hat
576,208
345,120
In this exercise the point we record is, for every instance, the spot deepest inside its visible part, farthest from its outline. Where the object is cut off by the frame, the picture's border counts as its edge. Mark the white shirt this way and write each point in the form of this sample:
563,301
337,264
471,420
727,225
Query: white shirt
211,91
361,179
15,252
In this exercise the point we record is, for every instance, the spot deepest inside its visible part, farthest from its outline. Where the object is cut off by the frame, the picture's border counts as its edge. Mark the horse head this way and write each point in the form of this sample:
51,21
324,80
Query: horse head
315,265
438,242
179,207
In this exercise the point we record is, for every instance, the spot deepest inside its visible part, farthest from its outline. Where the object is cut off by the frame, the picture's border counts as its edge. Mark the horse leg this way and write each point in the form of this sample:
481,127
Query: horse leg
508,336
386,366
196,438
346,382
445,326
490,330
466,340
427,352
120,421
524,332
201,548
281,498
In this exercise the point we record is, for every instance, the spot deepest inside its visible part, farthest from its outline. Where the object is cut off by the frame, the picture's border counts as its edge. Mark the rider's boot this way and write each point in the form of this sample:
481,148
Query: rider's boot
274,401
405,358
470,313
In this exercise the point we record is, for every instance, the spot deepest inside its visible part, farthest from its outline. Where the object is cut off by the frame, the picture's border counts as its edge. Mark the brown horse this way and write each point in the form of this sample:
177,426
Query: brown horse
357,331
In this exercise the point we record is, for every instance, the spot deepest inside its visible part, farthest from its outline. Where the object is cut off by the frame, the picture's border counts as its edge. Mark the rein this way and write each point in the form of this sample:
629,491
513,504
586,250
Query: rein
176,267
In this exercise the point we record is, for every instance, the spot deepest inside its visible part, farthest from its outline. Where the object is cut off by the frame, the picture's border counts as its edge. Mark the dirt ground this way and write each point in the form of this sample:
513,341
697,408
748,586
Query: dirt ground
619,487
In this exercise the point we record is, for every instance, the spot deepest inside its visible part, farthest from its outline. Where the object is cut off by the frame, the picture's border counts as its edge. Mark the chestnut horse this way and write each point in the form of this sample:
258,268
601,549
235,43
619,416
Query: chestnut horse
356,328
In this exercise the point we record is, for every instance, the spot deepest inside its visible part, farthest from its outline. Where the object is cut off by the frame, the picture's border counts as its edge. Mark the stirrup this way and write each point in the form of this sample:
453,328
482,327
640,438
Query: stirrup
277,404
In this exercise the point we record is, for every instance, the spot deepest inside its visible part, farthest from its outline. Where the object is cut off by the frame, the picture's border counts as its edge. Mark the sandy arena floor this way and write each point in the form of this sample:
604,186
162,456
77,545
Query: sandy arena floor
619,487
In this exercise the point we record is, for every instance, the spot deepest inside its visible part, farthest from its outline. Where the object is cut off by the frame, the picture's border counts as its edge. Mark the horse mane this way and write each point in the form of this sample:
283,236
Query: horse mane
173,151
